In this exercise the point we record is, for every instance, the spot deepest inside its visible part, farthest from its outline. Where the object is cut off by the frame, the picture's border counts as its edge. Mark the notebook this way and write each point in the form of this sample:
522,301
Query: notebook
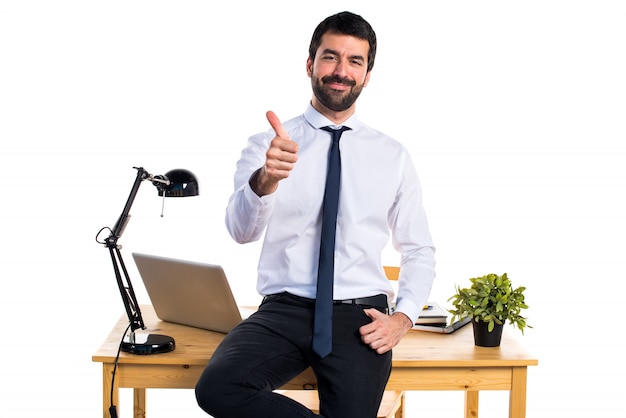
442,329
432,314
189,293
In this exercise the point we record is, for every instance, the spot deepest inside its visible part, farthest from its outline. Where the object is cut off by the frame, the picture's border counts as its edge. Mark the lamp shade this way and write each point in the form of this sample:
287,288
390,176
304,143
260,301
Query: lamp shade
182,183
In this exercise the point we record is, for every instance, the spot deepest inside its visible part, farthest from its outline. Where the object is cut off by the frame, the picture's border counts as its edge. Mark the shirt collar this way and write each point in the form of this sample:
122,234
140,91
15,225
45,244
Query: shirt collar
317,120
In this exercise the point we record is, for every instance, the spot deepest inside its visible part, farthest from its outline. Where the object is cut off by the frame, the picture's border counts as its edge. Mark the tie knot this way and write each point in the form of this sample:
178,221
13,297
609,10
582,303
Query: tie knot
336,133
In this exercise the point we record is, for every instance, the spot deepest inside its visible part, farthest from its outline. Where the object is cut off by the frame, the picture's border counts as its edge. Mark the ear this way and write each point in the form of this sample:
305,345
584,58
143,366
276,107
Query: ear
309,67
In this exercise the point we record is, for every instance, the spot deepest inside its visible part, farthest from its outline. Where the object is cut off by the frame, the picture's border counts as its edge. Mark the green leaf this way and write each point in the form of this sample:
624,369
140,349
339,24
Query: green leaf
490,298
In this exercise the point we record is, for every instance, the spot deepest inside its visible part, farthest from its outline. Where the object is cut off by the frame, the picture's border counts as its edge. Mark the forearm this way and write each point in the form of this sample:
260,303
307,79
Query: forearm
247,214
417,274
411,238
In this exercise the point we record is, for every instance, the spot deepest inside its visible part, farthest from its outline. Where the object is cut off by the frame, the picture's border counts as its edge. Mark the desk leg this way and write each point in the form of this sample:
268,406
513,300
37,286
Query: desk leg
401,412
471,404
517,399
107,372
139,410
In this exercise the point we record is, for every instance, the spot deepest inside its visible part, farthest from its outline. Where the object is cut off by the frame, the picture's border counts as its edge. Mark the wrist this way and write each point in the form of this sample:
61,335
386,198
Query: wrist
406,321
260,184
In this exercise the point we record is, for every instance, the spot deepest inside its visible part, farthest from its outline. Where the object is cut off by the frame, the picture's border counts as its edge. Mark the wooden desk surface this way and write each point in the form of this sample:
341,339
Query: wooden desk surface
422,361
417,349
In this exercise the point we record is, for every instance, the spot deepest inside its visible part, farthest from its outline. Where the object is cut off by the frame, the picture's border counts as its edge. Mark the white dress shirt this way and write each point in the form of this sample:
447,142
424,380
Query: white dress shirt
380,197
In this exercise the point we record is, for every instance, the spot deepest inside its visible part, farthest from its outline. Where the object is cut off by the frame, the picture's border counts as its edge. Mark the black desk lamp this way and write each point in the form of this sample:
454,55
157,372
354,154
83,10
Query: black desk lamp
175,183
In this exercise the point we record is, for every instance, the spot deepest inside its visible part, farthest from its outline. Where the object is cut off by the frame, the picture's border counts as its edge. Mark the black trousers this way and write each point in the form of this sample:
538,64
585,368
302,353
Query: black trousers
273,346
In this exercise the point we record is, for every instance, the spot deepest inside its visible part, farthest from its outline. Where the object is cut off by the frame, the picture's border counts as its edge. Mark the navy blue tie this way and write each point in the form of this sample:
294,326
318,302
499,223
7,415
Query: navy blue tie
322,326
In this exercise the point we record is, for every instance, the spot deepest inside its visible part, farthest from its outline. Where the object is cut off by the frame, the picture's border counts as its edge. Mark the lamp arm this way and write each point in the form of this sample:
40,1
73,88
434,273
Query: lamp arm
121,223
126,290
121,273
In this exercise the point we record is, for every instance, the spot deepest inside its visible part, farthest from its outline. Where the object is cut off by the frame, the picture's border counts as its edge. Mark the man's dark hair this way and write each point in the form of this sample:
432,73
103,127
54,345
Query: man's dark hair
345,23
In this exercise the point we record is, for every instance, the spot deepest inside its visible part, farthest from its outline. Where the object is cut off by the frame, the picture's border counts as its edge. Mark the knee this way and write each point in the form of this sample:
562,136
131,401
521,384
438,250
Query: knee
214,394
207,392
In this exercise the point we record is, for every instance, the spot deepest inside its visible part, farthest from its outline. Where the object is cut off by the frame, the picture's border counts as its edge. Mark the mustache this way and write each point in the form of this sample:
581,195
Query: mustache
338,80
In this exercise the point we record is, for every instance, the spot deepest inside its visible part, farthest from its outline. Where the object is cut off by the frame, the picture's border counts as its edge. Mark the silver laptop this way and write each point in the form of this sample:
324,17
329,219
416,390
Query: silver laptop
189,293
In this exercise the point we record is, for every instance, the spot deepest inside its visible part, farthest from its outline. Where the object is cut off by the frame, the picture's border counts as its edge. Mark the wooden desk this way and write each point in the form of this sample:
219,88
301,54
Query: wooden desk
422,361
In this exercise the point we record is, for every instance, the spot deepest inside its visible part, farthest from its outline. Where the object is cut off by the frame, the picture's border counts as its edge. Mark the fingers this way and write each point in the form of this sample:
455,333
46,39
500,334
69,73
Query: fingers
384,332
373,314
282,153
279,159
276,125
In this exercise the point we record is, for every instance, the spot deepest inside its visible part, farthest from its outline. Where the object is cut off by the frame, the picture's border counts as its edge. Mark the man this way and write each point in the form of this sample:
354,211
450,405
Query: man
280,186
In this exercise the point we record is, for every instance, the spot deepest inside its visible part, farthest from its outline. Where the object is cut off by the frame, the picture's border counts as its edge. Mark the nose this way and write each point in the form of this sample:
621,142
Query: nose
341,68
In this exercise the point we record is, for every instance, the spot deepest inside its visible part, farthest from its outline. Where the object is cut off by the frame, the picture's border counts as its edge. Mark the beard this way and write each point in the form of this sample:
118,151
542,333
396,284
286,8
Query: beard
335,100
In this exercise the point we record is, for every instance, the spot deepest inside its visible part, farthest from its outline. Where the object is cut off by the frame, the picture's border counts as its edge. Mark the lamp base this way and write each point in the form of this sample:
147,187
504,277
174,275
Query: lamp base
148,344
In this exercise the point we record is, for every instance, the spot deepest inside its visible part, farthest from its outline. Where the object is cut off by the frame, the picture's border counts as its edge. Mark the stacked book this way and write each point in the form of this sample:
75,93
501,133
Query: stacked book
434,319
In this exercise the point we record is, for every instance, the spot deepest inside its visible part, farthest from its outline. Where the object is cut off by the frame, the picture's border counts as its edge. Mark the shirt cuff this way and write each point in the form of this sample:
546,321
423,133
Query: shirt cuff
255,200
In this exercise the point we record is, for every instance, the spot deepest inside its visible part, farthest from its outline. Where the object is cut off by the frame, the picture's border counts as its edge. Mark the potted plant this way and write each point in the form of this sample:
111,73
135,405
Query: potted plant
490,301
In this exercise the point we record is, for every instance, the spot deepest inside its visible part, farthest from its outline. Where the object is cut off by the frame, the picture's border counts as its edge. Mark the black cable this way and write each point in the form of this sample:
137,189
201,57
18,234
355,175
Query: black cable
113,408
106,228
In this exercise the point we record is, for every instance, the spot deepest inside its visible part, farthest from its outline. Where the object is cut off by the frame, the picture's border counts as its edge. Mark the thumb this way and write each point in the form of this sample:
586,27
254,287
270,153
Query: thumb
276,125
373,313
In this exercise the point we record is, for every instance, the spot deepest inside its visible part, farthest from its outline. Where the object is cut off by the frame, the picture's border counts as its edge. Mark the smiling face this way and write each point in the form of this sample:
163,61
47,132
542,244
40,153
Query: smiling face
338,74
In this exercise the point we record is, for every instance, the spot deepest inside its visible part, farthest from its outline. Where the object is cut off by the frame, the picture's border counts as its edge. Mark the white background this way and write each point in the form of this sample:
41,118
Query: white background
513,111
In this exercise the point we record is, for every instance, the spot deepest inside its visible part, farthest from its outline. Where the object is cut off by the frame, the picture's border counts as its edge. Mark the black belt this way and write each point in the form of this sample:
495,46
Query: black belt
378,301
